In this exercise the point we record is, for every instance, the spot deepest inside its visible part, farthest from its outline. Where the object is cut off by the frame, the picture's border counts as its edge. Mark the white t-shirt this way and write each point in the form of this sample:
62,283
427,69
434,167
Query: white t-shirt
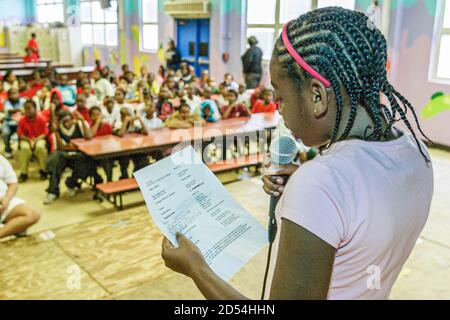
193,103
103,88
7,175
91,101
153,123
111,117
130,108
370,201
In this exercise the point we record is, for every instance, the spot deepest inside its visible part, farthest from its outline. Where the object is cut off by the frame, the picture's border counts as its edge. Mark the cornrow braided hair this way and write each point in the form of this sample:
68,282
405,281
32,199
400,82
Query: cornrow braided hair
349,51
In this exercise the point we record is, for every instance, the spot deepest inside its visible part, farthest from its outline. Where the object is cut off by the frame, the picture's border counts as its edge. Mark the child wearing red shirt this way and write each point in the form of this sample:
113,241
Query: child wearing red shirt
266,104
98,126
30,57
82,107
3,96
32,131
234,109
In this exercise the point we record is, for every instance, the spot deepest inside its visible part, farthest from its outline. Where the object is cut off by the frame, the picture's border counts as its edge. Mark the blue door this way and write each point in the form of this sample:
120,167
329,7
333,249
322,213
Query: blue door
193,42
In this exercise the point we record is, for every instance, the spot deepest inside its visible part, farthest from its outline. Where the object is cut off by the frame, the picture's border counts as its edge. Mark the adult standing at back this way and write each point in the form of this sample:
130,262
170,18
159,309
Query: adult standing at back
173,57
251,62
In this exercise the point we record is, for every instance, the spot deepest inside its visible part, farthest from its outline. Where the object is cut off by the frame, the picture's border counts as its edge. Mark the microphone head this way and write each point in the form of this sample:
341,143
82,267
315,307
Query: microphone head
283,150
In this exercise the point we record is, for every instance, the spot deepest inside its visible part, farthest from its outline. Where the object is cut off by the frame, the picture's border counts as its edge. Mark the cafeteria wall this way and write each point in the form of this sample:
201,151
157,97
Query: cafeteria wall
227,26
412,26
410,42
18,12
21,11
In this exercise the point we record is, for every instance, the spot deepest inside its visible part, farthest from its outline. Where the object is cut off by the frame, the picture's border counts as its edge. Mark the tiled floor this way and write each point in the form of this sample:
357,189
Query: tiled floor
130,269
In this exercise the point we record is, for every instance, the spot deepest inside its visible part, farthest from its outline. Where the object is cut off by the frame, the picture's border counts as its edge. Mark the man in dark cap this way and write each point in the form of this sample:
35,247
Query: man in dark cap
251,62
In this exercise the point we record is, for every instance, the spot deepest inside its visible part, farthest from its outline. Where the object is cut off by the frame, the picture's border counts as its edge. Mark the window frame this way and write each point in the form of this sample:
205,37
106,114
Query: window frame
143,24
278,25
53,3
104,24
439,32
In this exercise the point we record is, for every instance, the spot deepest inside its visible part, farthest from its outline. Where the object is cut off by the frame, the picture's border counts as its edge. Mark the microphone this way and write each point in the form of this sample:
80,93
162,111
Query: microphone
283,151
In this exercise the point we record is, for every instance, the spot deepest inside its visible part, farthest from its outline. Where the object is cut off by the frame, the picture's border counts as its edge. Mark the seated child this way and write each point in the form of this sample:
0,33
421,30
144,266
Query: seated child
25,91
42,98
82,107
209,111
56,104
68,127
129,93
164,106
3,96
99,126
149,121
229,82
120,101
30,57
183,118
10,81
110,111
266,104
16,215
222,99
153,84
32,131
190,98
91,99
234,109
126,125
68,92
13,111
244,95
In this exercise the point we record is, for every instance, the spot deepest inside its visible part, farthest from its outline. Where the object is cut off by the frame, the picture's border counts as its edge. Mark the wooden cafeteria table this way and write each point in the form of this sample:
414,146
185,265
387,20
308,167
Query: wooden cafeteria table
72,72
113,146
23,66
19,60
19,73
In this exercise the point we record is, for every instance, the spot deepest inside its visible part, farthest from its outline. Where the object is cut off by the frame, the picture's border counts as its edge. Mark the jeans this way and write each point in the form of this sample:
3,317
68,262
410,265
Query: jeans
59,161
139,161
8,129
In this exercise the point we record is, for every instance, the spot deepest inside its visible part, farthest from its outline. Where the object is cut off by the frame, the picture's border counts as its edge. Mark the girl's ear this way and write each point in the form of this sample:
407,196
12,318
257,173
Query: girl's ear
320,98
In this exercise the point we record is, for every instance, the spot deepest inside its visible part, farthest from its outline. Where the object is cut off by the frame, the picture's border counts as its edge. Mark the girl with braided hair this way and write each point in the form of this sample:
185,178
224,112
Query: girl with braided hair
347,220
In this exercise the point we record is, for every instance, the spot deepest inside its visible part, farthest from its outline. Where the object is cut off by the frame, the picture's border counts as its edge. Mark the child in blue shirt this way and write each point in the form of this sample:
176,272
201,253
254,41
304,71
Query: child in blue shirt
13,110
68,92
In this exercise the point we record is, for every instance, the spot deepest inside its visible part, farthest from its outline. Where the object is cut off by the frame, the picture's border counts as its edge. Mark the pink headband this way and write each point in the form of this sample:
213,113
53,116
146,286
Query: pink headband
300,60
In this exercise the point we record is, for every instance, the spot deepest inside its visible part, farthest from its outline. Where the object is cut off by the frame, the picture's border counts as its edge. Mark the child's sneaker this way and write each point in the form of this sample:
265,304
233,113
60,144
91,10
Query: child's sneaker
72,192
50,198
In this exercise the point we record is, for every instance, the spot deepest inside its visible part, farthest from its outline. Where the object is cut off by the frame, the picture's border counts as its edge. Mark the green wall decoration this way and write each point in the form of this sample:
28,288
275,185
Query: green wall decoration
439,102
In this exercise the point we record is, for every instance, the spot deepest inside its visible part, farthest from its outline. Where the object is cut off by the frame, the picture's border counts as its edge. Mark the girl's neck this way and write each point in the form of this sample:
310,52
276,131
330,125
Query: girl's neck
363,127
